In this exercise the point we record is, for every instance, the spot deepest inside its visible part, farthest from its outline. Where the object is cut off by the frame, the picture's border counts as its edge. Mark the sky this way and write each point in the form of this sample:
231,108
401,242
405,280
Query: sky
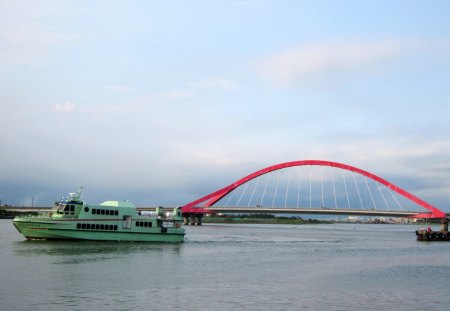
162,102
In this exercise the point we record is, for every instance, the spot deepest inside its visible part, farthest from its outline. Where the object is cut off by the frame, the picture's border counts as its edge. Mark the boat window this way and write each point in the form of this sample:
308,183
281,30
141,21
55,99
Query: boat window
60,208
78,226
150,224
86,209
72,209
115,227
116,213
102,227
88,226
83,226
102,212
97,227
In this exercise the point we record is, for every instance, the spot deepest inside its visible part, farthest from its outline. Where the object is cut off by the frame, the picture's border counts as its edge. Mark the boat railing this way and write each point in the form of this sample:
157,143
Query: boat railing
168,216
148,214
45,214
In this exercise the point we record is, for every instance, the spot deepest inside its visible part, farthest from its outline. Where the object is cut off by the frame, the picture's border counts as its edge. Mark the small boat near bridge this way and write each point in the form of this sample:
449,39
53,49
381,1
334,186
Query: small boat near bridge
430,235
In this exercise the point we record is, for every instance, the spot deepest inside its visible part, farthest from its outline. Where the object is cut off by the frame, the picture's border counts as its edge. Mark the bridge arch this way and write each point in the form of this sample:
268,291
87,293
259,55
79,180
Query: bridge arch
215,196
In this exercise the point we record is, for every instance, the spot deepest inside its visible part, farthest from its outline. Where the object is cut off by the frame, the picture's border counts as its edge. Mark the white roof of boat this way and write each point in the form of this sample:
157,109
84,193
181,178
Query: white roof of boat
118,204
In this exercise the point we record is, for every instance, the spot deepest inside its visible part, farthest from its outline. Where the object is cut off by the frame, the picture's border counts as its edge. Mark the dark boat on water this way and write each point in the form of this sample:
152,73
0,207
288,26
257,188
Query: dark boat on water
430,235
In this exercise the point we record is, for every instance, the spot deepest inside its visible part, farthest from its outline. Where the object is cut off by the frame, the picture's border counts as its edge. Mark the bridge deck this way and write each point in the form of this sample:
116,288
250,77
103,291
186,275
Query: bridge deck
323,211
261,210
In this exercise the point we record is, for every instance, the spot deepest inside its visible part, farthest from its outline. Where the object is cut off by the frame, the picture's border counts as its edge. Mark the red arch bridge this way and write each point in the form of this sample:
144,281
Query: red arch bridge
312,187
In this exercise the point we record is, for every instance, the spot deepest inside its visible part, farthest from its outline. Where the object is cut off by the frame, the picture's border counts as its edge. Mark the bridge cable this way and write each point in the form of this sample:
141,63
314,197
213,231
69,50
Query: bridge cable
229,199
334,189
310,190
287,189
253,193
384,199
346,192
265,188
299,179
370,192
276,188
321,182
357,190
395,199
242,194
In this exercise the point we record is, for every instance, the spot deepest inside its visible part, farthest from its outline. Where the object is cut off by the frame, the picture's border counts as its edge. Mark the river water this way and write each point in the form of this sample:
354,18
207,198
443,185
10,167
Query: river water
231,267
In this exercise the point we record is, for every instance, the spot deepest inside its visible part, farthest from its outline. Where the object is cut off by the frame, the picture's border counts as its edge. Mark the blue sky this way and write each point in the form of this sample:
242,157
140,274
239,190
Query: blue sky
161,102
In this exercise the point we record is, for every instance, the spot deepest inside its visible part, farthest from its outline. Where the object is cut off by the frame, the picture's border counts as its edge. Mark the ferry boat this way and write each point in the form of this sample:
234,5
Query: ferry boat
73,219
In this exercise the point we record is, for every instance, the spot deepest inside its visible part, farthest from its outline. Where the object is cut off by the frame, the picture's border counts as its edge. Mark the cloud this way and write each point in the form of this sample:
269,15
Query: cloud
217,83
119,88
176,94
26,36
66,107
312,63
416,163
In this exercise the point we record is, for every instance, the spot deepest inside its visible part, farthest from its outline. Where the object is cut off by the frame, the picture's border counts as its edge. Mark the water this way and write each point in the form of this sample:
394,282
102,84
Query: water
230,267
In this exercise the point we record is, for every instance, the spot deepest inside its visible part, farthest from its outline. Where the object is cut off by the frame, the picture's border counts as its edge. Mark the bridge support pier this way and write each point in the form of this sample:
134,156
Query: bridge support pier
444,224
192,219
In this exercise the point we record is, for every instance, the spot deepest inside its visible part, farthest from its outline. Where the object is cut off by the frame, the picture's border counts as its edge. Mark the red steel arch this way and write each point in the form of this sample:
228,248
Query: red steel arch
217,195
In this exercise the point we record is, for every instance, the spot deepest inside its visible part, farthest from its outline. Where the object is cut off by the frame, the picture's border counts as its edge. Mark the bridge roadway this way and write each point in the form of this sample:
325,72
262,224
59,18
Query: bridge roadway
261,210
323,211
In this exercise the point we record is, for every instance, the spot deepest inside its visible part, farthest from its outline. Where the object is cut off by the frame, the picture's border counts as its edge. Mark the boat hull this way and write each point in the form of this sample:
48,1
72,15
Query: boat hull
35,228
425,235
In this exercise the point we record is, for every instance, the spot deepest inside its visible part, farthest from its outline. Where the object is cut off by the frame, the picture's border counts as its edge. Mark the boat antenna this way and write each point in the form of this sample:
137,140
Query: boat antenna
77,196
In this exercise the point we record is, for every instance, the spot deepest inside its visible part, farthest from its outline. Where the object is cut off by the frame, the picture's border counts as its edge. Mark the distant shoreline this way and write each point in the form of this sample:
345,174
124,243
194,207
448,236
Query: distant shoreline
263,220
239,219
271,219
4,214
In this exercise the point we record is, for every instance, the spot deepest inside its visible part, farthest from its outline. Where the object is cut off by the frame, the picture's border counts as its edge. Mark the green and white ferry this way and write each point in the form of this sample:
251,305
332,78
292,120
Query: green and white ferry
73,219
